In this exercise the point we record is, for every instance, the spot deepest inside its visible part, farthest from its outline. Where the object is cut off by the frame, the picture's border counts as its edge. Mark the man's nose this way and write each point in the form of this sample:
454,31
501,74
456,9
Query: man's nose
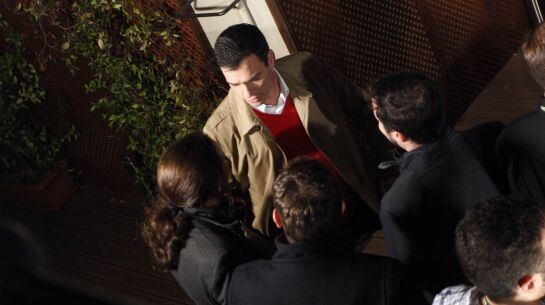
247,90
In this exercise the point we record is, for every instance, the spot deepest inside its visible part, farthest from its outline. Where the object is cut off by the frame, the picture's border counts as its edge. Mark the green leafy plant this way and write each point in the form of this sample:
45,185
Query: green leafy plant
28,148
151,97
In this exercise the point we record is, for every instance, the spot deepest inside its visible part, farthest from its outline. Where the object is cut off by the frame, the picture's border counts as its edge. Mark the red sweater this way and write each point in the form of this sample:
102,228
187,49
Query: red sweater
291,136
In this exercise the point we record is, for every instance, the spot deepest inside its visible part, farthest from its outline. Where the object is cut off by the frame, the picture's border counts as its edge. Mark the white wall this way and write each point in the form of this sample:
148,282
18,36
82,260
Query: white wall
255,12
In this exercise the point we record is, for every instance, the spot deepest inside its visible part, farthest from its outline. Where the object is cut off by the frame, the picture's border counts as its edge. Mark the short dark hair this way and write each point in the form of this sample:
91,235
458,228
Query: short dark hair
412,104
308,200
238,42
499,241
533,51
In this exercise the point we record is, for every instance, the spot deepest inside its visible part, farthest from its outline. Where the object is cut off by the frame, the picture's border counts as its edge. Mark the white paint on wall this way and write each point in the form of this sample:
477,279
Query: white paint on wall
255,12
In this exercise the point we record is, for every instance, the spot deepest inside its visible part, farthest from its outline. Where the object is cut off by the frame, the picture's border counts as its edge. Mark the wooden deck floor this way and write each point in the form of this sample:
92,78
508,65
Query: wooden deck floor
94,239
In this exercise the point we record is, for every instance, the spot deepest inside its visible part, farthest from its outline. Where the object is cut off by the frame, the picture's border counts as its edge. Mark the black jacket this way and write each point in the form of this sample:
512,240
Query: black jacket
438,183
317,273
520,155
215,245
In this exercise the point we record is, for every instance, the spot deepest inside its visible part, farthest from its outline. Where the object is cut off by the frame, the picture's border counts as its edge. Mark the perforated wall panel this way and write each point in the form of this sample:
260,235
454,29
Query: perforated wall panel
461,44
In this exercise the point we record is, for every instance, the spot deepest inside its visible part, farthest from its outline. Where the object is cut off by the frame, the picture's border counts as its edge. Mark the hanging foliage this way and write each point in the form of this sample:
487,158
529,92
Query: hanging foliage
150,97
28,149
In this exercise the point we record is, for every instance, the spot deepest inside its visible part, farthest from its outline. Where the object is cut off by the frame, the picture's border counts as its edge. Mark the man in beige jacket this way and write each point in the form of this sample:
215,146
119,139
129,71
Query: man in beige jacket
278,110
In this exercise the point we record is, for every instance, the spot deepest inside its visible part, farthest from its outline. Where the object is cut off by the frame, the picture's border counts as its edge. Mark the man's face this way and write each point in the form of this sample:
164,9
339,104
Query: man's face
381,126
254,81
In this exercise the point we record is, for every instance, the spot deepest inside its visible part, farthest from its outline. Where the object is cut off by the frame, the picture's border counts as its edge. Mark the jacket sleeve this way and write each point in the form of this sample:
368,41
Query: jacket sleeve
399,288
398,240
395,215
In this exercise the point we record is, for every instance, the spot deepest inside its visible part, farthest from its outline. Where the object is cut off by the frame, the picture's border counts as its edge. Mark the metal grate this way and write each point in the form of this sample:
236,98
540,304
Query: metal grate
461,44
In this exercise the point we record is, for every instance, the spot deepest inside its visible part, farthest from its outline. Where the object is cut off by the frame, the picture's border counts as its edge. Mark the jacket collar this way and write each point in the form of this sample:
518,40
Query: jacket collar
415,158
246,120
229,218
335,243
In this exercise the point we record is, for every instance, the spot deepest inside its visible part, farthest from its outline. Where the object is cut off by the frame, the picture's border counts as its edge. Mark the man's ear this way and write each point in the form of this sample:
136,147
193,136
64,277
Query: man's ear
399,136
529,287
276,219
270,58
529,282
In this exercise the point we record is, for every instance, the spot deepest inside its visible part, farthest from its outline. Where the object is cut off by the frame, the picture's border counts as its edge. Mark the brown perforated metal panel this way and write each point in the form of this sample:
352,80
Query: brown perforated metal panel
461,44
472,41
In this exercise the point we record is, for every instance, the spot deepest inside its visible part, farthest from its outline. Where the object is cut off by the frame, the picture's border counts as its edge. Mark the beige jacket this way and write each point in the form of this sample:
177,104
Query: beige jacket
325,101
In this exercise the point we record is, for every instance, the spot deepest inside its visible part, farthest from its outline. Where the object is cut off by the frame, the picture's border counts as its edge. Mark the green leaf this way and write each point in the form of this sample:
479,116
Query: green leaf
100,43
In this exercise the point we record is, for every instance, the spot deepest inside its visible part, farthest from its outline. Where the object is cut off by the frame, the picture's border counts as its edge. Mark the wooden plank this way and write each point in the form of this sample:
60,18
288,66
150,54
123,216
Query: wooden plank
479,118
502,108
510,96
101,220
118,276
378,234
91,233
124,294
106,254
376,247
37,222
95,199
514,82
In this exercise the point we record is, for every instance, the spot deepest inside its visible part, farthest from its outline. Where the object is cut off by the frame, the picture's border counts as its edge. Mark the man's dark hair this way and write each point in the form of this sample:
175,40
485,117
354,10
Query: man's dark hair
308,200
499,241
238,42
410,103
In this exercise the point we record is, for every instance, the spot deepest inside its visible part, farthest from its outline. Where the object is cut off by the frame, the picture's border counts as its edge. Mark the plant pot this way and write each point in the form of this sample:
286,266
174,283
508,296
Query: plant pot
48,195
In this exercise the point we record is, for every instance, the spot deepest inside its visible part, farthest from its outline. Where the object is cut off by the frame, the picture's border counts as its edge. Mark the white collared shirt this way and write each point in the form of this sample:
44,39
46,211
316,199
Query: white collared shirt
279,107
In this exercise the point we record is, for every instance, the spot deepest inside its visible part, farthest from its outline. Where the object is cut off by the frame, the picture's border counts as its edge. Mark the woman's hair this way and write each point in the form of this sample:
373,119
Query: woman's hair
189,172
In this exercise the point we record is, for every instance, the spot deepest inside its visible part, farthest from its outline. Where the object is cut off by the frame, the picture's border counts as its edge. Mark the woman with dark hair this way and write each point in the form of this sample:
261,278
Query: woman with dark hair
191,228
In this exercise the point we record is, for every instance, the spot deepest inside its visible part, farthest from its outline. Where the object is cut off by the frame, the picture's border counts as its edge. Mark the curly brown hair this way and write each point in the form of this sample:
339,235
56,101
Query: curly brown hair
189,172
308,199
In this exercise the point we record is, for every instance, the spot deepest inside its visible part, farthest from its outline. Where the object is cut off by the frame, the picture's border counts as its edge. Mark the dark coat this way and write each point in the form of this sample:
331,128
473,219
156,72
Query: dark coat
317,273
438,183
520,155
214,247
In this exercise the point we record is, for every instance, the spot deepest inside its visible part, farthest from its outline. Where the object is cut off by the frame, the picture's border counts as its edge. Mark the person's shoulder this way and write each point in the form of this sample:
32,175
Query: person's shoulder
293,66
222,115
252,272
534,120
209,241
408,182
298,57
456,295
376,261
378,267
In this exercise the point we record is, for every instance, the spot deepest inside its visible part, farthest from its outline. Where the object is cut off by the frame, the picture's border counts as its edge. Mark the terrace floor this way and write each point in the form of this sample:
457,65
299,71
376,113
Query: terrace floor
93,240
